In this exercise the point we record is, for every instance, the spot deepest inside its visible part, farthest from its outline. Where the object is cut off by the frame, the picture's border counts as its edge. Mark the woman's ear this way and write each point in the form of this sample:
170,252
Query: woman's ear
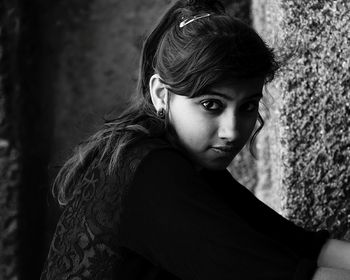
159,93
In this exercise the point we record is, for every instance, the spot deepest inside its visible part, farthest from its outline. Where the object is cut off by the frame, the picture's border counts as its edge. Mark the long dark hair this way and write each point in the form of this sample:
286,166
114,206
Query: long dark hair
213,49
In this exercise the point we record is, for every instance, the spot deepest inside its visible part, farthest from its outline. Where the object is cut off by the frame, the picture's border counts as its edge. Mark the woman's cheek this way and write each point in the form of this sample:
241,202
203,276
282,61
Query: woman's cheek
199,132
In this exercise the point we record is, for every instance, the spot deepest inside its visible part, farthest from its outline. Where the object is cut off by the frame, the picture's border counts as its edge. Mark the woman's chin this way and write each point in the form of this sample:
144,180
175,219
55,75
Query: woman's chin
212,160
216,164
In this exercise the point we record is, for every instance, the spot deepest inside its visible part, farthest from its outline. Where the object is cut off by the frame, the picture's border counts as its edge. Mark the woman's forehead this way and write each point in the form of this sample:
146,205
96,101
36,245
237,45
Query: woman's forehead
242,86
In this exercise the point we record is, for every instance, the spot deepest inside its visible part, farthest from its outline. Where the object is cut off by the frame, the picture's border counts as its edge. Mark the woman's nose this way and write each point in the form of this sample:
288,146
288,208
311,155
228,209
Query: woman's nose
228,128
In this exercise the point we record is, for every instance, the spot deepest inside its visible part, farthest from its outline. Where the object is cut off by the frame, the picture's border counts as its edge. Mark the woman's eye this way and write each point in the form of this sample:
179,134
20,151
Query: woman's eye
251,106
212,105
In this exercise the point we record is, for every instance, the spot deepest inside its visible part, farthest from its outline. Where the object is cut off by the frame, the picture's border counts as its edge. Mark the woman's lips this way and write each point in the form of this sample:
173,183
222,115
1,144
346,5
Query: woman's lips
224,150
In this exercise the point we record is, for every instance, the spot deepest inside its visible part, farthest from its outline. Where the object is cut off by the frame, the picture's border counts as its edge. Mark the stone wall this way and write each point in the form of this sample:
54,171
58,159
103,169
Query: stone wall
9,144
267,19
305,150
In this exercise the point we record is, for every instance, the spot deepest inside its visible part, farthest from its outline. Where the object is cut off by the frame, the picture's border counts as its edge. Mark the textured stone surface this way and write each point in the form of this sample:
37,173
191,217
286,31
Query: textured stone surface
25,123
9,156
314,123
267,17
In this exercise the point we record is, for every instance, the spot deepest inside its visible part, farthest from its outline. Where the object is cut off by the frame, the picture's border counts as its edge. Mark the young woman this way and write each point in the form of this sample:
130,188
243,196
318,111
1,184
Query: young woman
149,196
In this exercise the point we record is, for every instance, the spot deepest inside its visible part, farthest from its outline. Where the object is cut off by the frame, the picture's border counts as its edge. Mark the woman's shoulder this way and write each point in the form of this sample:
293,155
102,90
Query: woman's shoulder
155,152
145,146
166,171
162,155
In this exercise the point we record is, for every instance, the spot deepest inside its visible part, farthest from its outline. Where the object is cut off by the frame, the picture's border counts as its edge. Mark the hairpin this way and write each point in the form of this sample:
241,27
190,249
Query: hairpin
187,21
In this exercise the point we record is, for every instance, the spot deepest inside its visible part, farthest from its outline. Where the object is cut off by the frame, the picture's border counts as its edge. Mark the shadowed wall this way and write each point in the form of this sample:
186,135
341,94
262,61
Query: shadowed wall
26,124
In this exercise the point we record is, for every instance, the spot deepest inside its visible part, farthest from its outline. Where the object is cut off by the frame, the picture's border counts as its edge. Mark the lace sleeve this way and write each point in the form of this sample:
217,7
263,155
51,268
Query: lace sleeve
84,244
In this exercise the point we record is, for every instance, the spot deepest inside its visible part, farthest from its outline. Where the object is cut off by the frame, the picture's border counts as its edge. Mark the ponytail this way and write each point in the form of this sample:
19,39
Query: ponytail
151,43
176,13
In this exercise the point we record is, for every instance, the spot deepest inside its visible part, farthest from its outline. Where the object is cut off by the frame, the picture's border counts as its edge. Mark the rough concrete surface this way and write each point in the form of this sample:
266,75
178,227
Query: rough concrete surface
266,20
314,123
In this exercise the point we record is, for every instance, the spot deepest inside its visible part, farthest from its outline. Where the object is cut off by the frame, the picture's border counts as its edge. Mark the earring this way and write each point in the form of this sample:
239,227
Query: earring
161,113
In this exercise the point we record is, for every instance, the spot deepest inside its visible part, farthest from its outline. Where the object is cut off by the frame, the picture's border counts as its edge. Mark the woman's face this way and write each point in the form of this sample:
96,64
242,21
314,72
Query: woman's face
215,126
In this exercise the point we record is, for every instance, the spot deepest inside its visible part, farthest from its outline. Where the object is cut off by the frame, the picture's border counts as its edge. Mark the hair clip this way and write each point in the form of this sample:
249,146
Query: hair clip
187,21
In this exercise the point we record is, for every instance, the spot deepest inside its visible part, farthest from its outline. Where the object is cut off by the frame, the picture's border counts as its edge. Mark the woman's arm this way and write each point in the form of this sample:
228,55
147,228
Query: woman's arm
335,254
173,218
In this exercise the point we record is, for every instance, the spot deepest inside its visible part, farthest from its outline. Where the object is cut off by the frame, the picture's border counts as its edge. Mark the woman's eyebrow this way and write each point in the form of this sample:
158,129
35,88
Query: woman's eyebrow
216,93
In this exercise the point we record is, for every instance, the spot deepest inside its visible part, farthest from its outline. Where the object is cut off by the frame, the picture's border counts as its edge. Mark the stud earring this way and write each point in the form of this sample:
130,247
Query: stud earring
161,113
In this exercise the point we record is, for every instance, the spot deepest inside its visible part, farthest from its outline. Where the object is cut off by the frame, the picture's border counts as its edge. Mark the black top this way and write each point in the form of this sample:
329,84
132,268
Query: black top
205,225
177,223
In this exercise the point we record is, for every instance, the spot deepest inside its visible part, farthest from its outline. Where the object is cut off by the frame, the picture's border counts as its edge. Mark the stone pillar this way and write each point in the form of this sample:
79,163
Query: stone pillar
305,150
25,129
267,19
9,144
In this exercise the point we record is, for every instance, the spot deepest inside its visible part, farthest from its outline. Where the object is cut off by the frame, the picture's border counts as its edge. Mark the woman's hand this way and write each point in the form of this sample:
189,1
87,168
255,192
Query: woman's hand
326,273
335,254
